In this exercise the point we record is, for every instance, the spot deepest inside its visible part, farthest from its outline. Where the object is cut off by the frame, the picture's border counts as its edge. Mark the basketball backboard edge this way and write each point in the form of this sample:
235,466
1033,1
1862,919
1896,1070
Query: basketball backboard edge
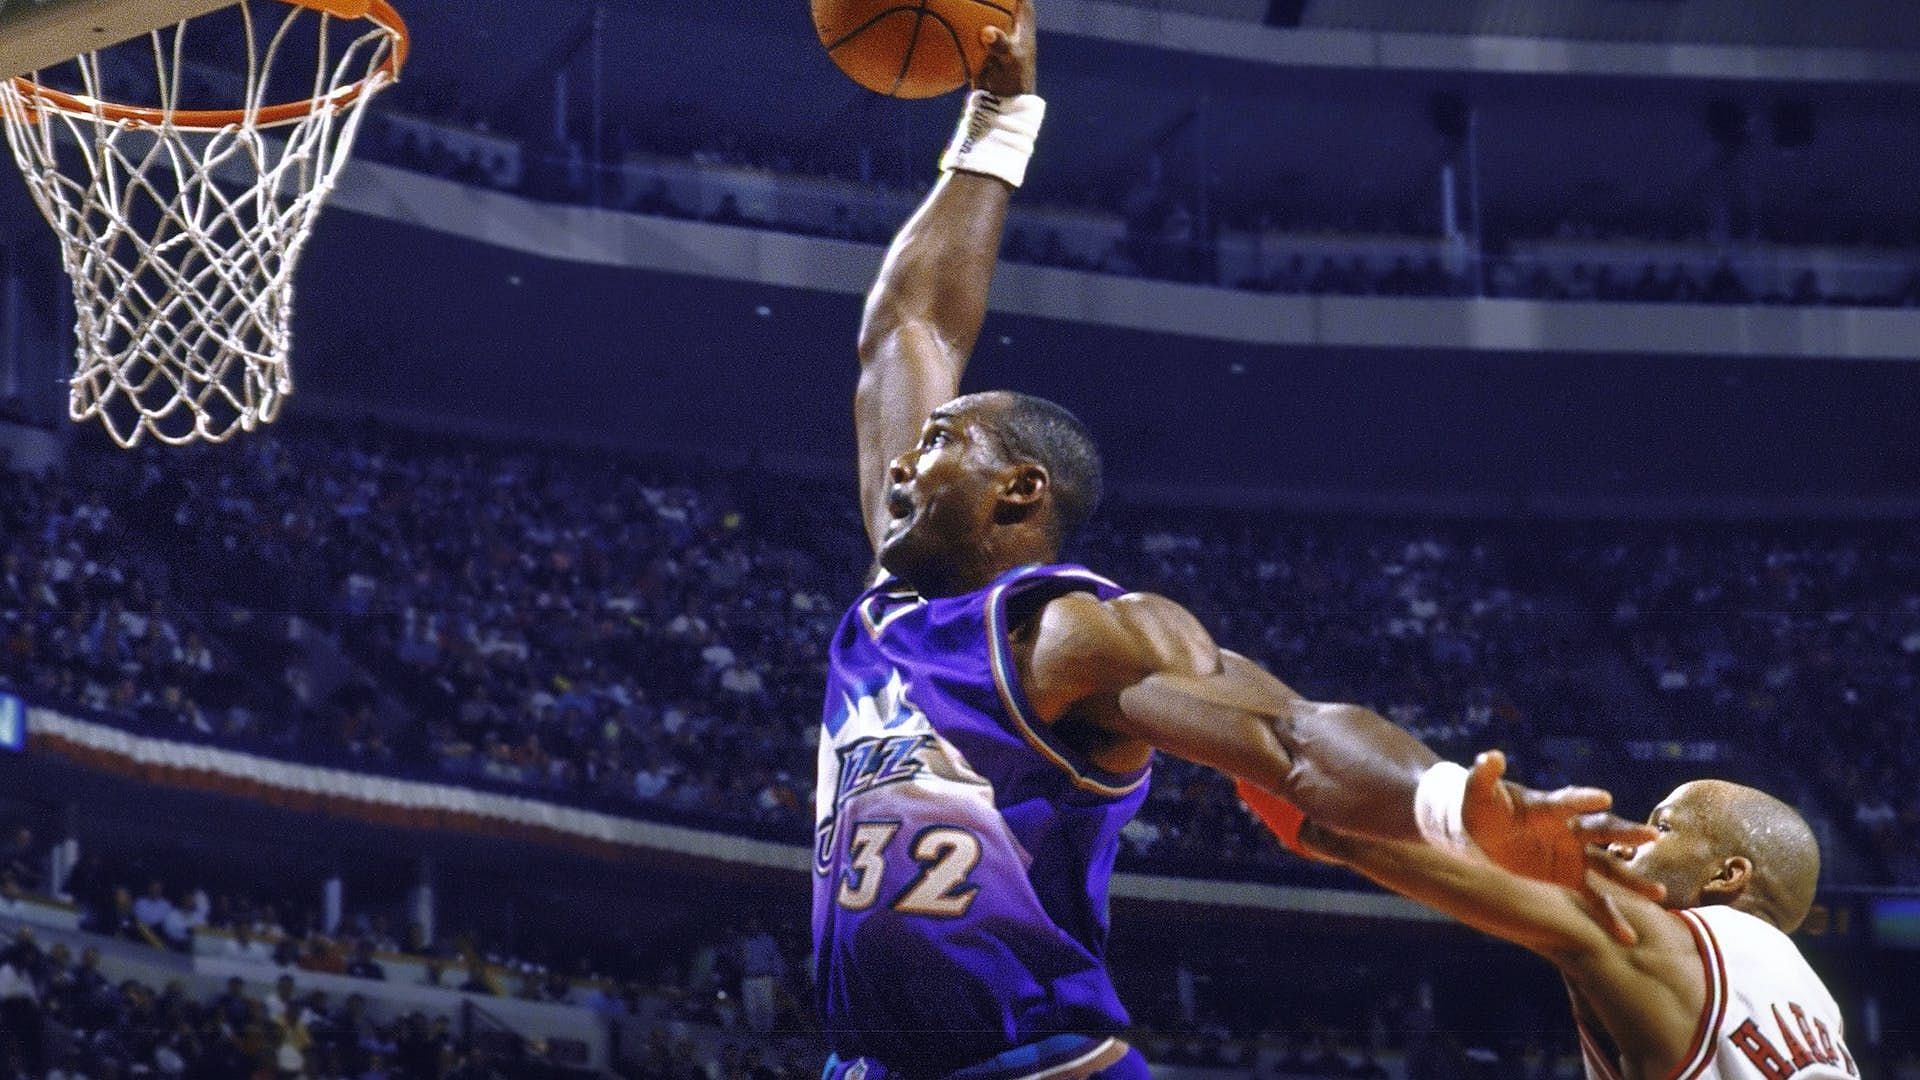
36,34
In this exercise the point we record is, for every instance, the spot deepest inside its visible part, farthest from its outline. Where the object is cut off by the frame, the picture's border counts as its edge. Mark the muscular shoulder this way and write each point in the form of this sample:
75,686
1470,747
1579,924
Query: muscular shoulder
1082,646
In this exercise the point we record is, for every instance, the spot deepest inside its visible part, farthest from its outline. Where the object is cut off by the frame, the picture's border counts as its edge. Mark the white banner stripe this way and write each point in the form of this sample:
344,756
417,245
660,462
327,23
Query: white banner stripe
432,802
422,797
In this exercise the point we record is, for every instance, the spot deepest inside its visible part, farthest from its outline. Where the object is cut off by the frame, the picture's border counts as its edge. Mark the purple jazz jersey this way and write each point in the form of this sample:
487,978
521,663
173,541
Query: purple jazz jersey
961,852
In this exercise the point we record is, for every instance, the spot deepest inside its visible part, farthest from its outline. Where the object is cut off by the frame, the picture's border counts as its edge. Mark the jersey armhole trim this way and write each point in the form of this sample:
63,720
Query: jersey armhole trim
1713,1012
1006,680
1602,1065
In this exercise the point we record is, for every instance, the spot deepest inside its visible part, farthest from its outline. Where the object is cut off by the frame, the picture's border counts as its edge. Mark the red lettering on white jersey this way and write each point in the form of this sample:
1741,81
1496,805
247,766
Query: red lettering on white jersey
1766,1014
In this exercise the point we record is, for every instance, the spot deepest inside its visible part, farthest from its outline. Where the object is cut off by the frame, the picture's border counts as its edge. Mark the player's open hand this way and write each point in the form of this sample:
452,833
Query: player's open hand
1012,63
1555,836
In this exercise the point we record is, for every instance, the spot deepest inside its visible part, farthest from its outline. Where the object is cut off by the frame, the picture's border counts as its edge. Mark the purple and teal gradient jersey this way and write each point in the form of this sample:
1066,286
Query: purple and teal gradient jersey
961,852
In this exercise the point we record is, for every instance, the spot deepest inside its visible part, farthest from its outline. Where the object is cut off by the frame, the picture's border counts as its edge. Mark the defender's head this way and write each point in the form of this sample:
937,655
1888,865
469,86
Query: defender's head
997,480
1722,843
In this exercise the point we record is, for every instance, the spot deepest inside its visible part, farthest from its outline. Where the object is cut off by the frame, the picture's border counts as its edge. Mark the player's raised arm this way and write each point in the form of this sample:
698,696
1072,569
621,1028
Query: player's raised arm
1142,668
925,309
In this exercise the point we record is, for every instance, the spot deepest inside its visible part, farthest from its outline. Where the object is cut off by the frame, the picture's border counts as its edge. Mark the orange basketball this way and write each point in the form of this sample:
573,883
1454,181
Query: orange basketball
909,48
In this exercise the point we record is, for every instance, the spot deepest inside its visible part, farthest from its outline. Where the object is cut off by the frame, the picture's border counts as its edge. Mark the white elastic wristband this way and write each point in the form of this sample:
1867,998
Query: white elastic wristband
996,136
1438,804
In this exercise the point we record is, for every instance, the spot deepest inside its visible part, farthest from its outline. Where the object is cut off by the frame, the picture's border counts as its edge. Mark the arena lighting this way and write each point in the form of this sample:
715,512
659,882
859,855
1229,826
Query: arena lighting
13,723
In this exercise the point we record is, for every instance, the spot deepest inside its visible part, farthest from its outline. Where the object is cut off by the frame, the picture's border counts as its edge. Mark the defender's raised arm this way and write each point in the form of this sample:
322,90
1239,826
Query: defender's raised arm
926,307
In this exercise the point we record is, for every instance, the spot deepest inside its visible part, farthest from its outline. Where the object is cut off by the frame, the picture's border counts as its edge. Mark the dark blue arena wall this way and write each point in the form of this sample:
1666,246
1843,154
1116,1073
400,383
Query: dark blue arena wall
627,356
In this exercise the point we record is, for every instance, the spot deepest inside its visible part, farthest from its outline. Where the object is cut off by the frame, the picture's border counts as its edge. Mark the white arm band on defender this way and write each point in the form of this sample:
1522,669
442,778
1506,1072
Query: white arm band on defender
996,136
1437,809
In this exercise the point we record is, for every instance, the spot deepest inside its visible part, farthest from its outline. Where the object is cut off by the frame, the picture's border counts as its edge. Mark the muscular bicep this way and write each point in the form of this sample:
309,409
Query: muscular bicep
905,374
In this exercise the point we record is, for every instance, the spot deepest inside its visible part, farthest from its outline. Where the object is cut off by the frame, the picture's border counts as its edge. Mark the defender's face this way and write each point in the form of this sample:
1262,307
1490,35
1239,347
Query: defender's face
940,493
1681,857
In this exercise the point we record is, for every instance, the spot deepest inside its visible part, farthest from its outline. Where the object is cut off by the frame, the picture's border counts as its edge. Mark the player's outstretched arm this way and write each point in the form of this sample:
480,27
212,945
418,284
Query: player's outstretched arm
926,308
1645,984
1555,922
1142,668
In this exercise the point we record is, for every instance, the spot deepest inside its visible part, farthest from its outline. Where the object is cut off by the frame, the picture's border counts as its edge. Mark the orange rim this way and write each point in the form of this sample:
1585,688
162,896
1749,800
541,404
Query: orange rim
379,12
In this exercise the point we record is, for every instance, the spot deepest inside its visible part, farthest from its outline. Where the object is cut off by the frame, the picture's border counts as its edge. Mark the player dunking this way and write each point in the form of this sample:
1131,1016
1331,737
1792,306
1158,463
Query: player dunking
1710,987
990,716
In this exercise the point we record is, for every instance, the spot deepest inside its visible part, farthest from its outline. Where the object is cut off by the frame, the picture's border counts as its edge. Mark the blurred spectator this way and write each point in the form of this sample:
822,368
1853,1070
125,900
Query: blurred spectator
364,966
20,860
761,970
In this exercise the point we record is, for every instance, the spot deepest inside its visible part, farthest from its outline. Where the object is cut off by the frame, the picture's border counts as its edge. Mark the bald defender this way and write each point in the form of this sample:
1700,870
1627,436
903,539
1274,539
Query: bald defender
1707,984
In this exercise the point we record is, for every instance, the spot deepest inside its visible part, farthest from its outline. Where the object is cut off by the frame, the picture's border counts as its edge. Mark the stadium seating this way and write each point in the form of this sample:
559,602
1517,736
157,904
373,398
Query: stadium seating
1148,232
545,619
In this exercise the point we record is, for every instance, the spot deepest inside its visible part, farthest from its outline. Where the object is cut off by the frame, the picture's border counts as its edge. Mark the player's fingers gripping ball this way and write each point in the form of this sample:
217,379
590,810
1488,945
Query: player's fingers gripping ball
910,48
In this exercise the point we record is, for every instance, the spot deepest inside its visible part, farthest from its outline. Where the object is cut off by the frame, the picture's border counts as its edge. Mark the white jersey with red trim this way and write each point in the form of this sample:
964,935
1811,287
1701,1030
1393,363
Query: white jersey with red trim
1767,1015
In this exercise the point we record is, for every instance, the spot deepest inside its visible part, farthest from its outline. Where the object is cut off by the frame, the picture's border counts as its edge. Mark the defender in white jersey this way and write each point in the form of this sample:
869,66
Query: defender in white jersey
1710,987
1767,1015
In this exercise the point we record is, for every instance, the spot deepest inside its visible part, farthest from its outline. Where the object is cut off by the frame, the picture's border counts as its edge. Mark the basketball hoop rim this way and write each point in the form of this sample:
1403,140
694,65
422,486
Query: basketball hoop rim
379,12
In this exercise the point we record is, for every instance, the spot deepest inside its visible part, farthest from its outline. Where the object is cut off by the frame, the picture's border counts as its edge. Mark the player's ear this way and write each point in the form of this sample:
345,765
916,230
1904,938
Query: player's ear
1730,878
1022,490
1024,484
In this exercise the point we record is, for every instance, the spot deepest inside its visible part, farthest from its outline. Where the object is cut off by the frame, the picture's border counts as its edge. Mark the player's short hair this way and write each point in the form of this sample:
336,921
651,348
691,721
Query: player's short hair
1034,429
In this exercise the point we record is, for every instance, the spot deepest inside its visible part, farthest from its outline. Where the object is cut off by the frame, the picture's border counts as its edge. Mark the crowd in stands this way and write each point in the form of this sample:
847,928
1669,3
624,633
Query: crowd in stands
740,979
62,1017
540,617
428,124
1802,647
1167,237
90,618
731,1005
616,630
537,620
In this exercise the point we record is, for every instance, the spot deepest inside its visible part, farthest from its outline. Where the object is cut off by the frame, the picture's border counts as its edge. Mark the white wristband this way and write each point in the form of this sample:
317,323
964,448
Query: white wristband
1438,803
996,136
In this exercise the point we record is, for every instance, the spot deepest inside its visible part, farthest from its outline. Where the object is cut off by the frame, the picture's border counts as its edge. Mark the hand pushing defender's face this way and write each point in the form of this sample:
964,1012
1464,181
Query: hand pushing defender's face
997,480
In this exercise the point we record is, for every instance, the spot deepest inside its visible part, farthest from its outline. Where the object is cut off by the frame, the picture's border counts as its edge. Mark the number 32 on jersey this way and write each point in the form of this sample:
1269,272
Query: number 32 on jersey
946,855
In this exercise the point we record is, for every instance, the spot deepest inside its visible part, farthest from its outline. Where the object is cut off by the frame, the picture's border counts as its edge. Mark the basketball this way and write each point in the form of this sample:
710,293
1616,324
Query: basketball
909,48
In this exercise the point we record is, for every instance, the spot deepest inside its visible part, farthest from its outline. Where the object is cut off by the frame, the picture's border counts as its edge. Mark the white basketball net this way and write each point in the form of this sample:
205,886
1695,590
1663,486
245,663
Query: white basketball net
181,241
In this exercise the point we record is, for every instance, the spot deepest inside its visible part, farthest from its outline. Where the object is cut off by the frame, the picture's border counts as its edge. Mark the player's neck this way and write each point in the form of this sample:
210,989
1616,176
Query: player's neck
979,566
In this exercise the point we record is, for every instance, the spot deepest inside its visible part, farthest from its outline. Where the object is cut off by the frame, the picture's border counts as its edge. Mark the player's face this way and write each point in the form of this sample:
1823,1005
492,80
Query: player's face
1681,857
940,494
